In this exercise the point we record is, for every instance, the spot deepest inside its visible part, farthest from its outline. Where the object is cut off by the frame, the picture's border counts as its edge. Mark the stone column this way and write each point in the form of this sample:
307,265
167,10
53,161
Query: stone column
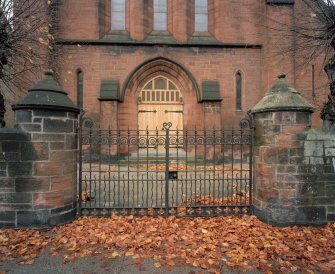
48,119
280,120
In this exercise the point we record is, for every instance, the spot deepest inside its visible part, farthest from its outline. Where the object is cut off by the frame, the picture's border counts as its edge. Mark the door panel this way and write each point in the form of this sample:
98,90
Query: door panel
152,116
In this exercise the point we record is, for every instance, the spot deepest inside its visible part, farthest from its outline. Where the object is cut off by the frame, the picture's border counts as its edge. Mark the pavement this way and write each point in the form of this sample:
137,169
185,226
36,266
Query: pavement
45,263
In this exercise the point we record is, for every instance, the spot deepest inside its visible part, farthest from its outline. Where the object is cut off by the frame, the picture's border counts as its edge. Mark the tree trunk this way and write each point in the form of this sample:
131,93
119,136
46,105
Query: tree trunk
328,111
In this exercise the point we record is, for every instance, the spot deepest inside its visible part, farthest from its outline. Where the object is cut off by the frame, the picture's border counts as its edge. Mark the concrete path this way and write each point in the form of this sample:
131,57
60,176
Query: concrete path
96,265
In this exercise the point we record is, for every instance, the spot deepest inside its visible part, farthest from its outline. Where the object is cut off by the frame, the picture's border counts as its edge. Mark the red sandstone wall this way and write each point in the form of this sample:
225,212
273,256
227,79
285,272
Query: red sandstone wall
240,21
116,62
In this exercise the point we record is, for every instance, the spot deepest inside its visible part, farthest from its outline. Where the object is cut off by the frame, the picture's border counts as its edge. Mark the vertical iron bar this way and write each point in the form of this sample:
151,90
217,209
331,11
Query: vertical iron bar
138,141
205,164
195,157
186,160
156,171
80,164
100,152
241,165
118,164
109,166
90,168
128,164
250,161
223,162
167,152
232,164
214,158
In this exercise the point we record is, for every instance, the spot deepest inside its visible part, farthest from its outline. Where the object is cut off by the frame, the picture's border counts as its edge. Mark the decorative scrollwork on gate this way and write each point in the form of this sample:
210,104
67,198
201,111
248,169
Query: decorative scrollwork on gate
245,123
87,122
167,125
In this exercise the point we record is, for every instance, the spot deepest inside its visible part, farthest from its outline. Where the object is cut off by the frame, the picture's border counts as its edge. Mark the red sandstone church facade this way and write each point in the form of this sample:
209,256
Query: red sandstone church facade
204,63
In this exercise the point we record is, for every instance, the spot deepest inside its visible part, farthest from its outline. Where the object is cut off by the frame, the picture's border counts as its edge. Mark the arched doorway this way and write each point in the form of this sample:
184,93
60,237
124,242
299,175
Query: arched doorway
160,101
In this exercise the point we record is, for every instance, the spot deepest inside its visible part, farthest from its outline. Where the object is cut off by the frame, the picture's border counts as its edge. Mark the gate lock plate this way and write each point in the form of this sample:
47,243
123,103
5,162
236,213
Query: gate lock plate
173,175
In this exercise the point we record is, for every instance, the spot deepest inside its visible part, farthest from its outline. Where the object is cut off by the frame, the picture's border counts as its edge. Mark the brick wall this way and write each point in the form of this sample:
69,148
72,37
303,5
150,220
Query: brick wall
38,176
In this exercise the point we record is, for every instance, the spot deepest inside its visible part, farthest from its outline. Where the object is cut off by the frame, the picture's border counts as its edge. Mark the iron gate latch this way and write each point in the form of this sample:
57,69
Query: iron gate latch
173,175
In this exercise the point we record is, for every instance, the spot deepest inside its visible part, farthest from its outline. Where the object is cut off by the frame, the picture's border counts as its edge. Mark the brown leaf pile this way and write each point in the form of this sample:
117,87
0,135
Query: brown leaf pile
208,243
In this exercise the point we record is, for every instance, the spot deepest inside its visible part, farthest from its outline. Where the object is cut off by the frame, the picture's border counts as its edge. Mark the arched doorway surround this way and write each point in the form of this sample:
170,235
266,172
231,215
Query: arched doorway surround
144,73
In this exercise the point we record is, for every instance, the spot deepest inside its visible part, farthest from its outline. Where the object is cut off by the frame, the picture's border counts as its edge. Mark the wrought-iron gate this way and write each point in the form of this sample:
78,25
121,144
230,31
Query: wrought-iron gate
204,172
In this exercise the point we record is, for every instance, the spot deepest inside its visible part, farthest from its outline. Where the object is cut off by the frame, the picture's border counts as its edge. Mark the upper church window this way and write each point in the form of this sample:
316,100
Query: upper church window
160,15
201,15
118,14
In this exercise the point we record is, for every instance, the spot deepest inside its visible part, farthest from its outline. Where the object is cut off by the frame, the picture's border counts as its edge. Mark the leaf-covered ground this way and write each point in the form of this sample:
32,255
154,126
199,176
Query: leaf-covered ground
209,243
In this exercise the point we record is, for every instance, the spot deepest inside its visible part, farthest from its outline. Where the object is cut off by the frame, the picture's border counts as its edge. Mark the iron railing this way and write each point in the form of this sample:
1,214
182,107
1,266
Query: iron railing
194,172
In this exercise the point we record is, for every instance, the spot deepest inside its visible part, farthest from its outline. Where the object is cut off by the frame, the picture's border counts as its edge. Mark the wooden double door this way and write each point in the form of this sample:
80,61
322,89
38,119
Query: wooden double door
152,116
160,102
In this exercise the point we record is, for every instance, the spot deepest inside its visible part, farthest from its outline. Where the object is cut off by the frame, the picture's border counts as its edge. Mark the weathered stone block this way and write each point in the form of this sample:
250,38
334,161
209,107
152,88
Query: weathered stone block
50,113
303,118
278,118
283,157
330,152
71,141
63,182
311,214
269,195
63,218
48,168
289,118
15,198
62,209
57,146
313,149
3,166
263,116
316,161
11,156
32,184
32,219
270,155
280,168
70,168
6,184
303,169
48,137
35,151
23,116
291,169
37,120
10,146
13,134
295,160
19,169
331,217
63,155
7,216
329,144
30,127
48,199
57,125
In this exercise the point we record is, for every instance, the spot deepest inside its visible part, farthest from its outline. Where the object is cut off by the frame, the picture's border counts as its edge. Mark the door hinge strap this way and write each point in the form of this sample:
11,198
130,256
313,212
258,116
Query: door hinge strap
175,111
141,111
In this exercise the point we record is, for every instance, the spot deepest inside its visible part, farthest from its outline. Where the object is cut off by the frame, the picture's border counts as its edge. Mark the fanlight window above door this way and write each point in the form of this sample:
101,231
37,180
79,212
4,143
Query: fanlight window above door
160,90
